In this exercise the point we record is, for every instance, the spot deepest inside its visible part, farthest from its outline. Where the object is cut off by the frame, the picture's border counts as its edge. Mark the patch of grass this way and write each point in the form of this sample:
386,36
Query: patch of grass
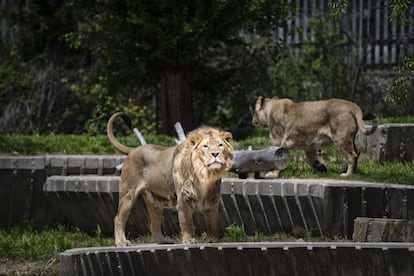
367,170
397,120
27,243
235,233
70,144
391,172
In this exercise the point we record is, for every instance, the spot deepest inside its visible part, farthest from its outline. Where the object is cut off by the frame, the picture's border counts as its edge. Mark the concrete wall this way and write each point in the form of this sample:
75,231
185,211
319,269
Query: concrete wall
83,191
322,207
22,179
390,142
243,259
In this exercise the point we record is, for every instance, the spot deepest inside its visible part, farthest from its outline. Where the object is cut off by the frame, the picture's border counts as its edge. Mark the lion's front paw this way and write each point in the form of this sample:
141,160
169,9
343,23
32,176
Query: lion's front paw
190,241
124,243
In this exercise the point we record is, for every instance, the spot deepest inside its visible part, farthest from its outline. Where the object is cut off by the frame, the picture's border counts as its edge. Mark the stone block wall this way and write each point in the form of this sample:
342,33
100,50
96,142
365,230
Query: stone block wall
390,142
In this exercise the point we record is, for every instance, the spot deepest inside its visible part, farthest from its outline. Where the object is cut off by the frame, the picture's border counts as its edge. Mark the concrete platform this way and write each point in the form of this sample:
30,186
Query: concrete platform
82,190
320,206
243,259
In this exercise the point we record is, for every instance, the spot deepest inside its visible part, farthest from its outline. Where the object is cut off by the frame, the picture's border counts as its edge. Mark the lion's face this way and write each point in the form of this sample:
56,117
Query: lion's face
212,152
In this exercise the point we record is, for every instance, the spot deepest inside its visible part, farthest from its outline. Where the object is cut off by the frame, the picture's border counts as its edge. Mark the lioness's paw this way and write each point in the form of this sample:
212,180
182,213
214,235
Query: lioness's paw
272,174
319,167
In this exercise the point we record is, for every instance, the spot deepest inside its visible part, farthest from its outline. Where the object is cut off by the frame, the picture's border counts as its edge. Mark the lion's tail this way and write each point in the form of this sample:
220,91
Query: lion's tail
110,132
361,125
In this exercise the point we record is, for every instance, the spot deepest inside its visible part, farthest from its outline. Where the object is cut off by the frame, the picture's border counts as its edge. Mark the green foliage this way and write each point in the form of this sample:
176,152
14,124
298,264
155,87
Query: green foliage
235,233
399,10
37,71
321,68
140,41
337,9
66,66
399,100
400,93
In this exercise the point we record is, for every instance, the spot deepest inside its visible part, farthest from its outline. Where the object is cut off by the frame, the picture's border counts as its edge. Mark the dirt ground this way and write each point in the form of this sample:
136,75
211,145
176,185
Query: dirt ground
28,267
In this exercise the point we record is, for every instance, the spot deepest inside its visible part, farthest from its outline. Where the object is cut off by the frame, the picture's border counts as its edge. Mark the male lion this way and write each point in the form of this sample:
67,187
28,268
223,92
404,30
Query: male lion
186,177
312,125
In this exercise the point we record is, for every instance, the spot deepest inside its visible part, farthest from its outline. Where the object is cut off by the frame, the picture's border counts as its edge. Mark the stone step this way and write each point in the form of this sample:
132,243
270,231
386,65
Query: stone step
319,206
29,191
383,230
64,164
263,258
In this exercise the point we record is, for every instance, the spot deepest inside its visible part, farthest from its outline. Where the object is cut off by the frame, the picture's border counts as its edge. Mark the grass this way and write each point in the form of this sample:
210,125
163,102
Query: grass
25,242
397,120
29,251
390,172
367,170
70,144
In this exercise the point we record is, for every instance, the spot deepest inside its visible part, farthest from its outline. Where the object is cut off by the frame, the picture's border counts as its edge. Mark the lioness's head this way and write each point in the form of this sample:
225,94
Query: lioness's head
259,116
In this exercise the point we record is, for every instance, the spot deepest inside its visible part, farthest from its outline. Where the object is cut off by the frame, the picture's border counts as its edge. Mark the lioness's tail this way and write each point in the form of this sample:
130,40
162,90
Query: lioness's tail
110,132
361,125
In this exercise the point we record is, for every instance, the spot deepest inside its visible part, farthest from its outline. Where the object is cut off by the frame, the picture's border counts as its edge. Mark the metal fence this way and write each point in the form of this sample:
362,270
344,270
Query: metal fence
366,26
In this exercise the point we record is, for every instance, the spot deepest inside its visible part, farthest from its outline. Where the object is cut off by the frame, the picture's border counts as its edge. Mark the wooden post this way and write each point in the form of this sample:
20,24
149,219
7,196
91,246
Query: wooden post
268,159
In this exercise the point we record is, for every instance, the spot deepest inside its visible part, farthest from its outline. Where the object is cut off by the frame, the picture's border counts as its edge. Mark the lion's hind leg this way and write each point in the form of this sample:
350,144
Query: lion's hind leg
127,199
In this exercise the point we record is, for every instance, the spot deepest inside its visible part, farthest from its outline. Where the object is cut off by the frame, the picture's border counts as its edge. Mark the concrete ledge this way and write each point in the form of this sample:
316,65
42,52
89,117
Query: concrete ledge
83,191
383,230
83,164
243,259
320,206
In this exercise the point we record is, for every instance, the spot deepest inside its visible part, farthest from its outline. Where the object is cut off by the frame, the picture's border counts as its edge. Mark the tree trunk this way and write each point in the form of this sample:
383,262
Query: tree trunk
174,103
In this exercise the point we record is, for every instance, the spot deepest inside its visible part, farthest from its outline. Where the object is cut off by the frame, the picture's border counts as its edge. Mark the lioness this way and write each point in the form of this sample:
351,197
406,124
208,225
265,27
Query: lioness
312,125
186,177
